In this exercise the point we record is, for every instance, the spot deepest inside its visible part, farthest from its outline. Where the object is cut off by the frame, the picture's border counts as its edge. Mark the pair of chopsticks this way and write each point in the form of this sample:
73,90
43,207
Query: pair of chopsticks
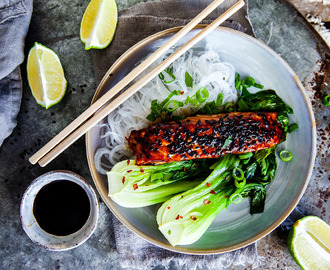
97,111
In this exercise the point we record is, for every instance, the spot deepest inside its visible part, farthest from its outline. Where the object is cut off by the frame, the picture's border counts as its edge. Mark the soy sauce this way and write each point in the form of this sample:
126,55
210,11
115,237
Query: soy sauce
61,207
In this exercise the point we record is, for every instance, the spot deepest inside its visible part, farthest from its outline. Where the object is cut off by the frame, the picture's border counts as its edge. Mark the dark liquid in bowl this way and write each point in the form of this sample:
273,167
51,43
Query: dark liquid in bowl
61,207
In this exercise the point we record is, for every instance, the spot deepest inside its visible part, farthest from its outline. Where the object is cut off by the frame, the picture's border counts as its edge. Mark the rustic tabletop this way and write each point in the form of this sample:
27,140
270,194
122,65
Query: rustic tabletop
276,23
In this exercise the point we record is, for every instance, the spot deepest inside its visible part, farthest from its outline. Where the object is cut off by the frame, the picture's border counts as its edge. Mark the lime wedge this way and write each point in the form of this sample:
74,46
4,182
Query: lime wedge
98,25
309,243
45,76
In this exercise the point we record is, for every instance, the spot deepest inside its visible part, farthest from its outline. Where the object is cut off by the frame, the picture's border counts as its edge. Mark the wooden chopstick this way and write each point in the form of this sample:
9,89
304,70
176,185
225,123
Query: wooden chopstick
65,138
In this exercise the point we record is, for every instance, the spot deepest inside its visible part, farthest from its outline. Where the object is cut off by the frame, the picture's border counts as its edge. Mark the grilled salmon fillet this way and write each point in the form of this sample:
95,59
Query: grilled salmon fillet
205,136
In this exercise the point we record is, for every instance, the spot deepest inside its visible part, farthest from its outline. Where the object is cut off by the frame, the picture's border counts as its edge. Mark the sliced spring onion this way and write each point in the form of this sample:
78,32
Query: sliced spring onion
188,79
257,85
285,155
245,155
293,127
202,94
326,100
171,105
228,107
237,81
248,82
219,100
169,72
238,174
240,183
235,198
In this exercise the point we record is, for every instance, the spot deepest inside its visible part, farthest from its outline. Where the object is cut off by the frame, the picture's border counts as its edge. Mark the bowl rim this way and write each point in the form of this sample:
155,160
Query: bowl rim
183,249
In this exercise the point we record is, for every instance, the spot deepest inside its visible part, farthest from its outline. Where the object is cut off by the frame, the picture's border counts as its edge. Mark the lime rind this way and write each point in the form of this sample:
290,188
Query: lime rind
309,251
92,42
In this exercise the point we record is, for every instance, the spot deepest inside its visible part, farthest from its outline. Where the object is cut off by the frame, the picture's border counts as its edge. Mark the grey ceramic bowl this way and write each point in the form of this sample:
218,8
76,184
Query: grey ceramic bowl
235,227
47,240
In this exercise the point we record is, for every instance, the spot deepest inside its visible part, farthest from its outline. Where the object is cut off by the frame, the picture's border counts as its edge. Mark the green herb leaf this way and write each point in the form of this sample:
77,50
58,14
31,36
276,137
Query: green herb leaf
188,80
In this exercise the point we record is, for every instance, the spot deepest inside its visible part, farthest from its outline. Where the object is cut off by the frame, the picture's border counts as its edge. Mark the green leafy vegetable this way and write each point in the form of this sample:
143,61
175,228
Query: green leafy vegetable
188,215
137,186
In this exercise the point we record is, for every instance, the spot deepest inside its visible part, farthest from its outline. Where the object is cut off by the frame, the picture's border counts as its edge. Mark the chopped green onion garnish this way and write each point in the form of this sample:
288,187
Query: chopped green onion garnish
202,94
188,79
238,174
169,72
228,107
240,183
219,100
161,76
326,100
171,105
235,198
245,155
237,81
257,85
285,155
293,127
248,82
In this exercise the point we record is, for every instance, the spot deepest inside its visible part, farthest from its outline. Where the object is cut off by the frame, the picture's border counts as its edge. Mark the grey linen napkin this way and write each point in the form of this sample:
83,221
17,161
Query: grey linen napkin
15,18
135,24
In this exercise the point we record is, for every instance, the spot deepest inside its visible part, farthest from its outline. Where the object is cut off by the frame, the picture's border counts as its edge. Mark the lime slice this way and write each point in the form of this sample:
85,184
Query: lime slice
45,76
309,243
98,25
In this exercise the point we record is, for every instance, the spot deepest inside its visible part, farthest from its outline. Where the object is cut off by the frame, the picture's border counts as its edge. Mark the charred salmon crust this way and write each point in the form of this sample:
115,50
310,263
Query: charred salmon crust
205,136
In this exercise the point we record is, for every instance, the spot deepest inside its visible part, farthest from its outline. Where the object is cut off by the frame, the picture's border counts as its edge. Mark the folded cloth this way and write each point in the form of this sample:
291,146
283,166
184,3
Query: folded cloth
15,18
135,24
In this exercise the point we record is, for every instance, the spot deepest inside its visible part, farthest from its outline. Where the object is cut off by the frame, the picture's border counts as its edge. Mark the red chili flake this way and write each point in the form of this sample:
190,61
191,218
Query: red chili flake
129,171
177,217
168,207
181,196
123,181
147,185
226,196
212,191
193,217
141,170
195,165
181,92
127,139
181,216
135,186
128,161
208,184
206,201
184,169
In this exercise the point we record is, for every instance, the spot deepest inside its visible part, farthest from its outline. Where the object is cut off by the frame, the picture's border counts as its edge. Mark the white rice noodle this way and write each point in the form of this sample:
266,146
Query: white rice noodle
205,68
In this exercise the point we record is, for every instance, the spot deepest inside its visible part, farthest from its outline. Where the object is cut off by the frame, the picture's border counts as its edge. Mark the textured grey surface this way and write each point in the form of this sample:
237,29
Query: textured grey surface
55,23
